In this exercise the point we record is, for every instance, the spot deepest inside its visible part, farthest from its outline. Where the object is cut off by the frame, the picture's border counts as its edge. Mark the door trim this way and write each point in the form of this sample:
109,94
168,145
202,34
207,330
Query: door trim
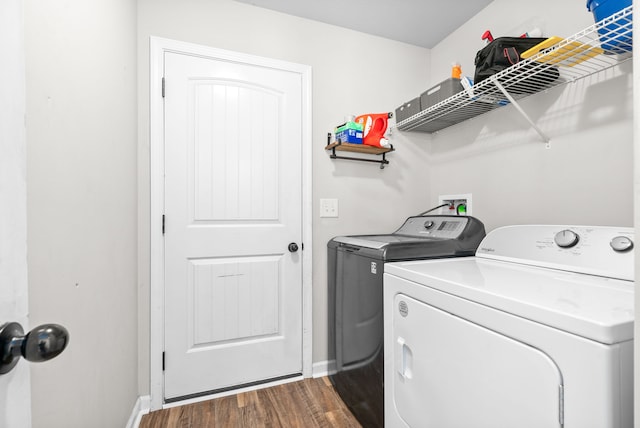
157,48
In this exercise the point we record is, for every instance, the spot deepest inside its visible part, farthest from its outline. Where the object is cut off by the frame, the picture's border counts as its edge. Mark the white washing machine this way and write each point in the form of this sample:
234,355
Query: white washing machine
534,331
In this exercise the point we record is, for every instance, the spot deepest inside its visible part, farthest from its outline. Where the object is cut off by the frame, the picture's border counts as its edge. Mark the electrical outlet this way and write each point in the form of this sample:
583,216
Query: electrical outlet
458,204
328,208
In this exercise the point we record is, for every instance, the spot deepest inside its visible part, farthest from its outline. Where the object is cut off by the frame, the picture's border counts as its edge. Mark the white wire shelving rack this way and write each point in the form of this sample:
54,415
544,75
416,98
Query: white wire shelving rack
603,45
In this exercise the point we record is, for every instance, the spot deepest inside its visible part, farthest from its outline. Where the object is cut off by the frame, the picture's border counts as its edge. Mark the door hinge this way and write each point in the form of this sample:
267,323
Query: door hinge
163,87
163,224
561,404
162,360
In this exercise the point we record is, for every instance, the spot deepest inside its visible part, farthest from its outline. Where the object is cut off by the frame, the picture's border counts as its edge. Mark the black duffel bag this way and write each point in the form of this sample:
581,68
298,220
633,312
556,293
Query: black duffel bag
504,52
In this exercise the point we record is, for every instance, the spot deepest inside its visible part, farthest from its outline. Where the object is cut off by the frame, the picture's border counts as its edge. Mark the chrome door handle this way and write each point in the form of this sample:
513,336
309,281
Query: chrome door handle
293,247
42,343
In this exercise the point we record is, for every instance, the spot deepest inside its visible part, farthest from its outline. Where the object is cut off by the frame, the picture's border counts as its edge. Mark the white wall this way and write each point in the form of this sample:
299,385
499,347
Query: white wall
353,73
585,177
81,162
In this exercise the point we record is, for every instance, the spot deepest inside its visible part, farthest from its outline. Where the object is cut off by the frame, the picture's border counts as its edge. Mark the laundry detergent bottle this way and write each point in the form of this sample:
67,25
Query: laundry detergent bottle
374,126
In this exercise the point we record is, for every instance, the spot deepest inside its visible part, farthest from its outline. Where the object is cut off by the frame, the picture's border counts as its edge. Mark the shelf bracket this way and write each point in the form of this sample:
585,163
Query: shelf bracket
333,155
512,100
382,161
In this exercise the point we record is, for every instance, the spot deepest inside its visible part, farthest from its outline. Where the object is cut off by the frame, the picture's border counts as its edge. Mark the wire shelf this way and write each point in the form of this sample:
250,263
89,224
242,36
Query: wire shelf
603,45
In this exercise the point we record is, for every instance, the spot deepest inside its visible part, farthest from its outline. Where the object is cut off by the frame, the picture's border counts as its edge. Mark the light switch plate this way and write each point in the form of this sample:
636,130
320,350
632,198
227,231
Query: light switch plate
328,208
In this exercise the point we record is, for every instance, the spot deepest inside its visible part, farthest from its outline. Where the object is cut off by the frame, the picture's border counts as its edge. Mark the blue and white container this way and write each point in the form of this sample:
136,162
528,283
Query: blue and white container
616,36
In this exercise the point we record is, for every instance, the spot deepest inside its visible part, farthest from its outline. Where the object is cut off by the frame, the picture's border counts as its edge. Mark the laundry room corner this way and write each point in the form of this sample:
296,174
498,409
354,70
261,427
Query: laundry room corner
240,212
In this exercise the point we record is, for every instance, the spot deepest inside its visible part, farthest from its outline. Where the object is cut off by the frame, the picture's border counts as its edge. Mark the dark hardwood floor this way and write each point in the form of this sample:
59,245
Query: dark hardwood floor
307,403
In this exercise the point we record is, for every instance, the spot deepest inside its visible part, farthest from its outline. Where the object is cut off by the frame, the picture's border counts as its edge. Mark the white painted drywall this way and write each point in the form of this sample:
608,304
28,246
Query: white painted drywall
82,201
353,73
585,177
15,396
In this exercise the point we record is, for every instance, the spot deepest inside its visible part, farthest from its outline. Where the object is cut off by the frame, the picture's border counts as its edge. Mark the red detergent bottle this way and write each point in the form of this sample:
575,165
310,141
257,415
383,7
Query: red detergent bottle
374,126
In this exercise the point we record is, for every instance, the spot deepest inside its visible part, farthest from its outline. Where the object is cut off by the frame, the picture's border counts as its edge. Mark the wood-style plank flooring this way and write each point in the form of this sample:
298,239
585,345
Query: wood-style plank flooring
307,403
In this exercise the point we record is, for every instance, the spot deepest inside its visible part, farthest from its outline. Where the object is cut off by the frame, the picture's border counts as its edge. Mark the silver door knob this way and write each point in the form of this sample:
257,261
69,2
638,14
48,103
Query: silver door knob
293,247
40,344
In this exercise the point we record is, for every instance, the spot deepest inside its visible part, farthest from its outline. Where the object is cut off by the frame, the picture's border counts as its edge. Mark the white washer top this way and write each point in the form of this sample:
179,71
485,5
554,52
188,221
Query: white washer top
544,283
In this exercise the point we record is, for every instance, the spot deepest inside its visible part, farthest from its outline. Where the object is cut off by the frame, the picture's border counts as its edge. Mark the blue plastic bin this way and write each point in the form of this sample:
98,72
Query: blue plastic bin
615,38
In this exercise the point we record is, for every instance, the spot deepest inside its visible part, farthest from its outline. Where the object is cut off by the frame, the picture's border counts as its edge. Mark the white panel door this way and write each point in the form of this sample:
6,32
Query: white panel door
15,390
449,372
233,197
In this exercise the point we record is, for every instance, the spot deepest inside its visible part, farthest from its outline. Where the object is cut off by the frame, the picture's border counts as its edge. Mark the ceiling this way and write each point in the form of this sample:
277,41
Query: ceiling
418,22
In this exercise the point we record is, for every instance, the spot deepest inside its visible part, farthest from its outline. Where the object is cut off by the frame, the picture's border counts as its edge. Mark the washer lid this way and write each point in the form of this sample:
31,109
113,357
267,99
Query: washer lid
593,307
378,241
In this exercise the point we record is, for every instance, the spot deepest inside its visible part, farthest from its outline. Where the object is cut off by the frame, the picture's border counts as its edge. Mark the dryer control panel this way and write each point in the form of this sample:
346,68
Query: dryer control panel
596,250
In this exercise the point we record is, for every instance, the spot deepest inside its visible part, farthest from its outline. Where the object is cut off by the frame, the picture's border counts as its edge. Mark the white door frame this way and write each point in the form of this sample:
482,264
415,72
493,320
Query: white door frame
15,386
157,48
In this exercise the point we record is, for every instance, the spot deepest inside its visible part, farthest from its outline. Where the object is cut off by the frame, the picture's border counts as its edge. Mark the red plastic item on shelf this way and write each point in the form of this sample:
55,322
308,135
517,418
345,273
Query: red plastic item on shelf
374,126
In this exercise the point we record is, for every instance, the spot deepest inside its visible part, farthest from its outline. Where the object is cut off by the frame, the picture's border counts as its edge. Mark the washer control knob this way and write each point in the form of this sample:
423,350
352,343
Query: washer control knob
566,238
428,224
621,243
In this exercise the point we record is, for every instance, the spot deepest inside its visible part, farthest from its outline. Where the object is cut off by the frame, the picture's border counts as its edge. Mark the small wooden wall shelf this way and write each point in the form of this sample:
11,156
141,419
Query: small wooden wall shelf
358,148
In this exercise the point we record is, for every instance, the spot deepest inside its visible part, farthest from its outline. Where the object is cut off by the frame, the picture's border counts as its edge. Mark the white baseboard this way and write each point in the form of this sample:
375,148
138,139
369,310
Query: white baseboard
324,368
142,406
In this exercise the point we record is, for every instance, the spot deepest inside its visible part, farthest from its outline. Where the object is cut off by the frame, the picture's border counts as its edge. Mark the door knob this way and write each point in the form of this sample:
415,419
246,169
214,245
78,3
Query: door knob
42,343
293,247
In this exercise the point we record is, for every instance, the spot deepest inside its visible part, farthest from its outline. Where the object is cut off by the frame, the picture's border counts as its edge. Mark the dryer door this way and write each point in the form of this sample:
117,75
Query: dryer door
449,372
